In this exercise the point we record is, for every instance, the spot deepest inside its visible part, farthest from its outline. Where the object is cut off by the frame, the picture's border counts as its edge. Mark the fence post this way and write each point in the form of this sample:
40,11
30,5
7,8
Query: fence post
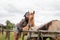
38,35
41,36
29,35
7,34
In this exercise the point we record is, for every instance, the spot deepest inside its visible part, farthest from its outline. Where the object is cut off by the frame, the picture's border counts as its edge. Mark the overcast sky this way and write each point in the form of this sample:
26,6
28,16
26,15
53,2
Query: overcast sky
45,10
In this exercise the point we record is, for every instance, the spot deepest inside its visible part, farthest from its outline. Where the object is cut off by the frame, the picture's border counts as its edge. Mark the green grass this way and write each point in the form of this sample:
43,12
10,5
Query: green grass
2,37
48,39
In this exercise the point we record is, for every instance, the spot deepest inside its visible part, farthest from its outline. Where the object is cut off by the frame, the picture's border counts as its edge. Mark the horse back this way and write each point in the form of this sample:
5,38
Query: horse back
55,26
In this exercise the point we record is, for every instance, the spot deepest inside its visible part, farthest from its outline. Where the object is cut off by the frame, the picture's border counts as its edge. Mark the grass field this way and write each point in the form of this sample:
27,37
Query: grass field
2,37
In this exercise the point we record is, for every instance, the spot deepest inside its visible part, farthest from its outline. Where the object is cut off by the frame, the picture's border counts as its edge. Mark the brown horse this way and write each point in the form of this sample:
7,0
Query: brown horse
53,25
24,25
29,25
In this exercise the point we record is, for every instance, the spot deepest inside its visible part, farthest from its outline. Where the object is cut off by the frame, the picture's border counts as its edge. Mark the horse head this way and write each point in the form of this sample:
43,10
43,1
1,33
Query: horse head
30,16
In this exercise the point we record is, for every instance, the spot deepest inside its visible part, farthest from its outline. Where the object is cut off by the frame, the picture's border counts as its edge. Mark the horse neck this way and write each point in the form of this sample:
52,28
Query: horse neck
31,22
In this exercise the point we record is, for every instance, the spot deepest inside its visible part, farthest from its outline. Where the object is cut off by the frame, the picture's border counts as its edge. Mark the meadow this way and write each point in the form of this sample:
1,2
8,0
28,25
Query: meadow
2,37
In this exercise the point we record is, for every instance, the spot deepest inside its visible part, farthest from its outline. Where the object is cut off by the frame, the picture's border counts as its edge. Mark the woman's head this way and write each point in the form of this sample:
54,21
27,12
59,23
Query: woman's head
29,14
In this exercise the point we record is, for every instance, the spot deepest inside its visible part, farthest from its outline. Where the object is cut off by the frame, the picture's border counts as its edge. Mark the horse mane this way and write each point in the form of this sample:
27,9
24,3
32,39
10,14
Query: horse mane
46,26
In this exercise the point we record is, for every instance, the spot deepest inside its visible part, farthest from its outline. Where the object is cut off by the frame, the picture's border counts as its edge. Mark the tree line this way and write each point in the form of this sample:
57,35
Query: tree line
9,25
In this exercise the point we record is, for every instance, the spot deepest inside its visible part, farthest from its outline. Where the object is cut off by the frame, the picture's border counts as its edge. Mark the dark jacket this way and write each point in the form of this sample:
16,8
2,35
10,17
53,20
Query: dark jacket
22,24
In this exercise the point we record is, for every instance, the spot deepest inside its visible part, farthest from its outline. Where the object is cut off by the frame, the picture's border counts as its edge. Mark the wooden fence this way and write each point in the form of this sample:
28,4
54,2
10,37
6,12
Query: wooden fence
43,33
39,33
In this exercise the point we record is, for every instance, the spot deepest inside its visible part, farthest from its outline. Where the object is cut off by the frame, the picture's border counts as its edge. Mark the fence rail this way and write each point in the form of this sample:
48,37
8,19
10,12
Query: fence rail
43,31
40,33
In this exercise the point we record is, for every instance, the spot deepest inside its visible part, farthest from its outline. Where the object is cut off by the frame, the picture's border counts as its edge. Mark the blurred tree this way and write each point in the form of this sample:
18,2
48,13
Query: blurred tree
9,25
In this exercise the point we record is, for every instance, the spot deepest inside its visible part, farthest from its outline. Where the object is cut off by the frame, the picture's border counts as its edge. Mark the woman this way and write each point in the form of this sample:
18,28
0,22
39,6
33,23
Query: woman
19,27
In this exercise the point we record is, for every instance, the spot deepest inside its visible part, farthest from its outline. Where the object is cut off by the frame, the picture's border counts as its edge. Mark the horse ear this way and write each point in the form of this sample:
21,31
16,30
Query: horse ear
33,12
